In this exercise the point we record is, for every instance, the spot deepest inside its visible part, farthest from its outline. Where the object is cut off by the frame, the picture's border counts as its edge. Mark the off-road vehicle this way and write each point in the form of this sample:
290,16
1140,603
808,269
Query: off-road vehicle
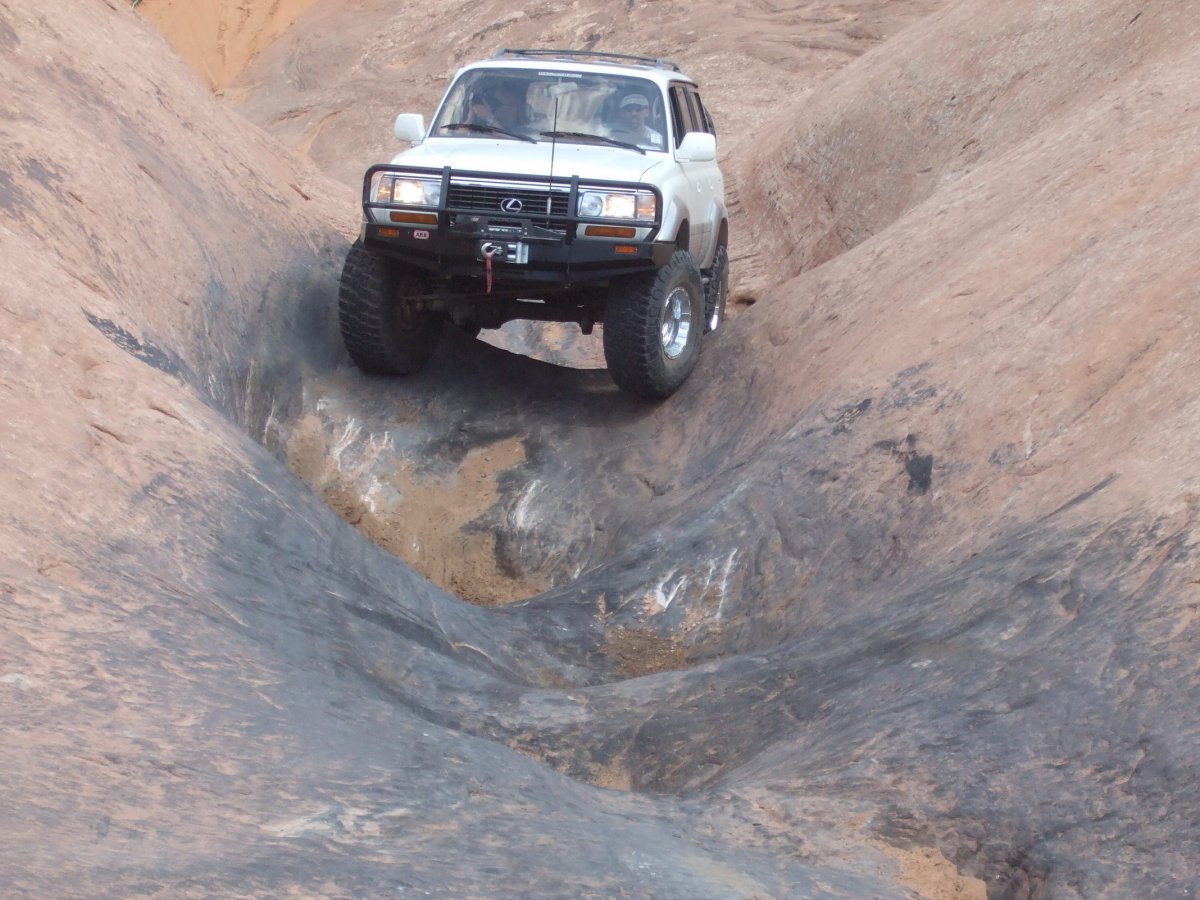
552,185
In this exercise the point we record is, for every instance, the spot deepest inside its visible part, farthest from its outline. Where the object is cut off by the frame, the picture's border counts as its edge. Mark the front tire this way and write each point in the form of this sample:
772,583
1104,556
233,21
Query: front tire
385,331
652,328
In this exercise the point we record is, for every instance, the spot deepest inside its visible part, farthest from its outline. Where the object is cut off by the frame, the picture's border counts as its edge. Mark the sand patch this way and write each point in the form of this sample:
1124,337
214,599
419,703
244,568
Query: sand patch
928,872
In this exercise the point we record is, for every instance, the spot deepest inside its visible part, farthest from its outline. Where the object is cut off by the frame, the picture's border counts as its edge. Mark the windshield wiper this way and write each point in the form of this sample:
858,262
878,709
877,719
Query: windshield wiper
587,136
487,129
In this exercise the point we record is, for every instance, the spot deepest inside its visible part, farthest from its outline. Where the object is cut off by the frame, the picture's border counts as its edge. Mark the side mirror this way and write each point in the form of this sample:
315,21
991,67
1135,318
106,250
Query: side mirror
697,146
410,127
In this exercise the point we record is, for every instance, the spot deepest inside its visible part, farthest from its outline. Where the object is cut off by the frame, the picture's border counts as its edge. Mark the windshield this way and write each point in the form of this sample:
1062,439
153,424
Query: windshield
575,107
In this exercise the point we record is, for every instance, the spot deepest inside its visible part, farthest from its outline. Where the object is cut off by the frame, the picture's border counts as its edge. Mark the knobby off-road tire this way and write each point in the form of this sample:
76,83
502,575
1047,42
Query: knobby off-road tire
716,291
652,328
384,332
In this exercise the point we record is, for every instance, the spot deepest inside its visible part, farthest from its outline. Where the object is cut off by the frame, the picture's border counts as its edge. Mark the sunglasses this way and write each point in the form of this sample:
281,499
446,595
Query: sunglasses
636,108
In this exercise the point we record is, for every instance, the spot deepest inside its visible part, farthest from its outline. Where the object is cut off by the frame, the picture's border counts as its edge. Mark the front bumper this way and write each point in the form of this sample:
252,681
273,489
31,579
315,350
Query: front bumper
544,241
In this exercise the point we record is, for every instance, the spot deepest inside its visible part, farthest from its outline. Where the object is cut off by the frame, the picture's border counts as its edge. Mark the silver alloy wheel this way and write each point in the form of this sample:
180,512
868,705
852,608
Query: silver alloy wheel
675,322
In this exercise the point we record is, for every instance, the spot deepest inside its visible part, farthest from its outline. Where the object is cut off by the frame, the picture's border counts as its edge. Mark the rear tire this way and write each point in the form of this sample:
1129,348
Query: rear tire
385,332
652,328
716,291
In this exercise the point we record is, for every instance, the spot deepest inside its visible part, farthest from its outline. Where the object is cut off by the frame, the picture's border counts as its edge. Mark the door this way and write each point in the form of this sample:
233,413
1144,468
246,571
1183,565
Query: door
705,185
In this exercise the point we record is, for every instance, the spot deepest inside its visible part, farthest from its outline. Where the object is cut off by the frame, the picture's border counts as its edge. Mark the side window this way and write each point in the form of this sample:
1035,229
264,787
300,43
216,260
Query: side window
697,111
681,113
700,119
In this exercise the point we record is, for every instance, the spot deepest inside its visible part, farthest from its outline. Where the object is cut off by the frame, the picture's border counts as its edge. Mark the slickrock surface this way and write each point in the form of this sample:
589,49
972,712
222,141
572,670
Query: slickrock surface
897,597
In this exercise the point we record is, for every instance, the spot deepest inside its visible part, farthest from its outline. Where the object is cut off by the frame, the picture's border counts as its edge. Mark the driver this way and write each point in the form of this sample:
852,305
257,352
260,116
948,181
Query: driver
502,107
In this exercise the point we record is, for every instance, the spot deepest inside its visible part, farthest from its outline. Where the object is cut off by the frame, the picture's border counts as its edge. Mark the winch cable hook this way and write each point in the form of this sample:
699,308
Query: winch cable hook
489,251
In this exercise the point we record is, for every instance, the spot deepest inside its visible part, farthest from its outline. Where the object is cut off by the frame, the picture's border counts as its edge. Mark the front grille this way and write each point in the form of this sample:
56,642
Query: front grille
488,199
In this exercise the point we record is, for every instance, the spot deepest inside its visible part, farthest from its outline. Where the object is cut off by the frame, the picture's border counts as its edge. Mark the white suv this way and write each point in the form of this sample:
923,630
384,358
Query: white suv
554,185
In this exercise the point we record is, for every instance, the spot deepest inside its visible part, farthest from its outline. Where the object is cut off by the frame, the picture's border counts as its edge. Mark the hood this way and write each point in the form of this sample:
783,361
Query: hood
520,158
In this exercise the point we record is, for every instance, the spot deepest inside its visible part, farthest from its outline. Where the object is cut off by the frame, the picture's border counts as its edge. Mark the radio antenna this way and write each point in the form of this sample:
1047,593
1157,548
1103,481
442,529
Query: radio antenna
553,145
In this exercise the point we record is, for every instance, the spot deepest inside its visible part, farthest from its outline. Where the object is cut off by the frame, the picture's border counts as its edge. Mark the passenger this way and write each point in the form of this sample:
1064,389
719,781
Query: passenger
631,126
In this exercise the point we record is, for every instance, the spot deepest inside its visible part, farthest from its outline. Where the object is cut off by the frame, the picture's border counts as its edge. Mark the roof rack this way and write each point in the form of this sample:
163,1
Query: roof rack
590,55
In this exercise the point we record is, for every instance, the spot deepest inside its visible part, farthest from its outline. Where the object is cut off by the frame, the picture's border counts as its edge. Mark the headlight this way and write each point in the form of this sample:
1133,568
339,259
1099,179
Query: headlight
618,204
390,188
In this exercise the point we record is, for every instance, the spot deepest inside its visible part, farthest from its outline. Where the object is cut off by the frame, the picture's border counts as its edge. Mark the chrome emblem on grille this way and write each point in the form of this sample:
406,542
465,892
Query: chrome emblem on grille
511,205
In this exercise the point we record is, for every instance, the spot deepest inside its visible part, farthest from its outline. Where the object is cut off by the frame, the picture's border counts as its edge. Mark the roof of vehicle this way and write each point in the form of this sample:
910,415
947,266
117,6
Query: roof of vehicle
661,71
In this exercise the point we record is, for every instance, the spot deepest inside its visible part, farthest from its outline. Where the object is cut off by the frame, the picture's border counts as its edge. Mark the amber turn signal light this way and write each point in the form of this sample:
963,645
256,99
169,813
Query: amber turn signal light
616,231
413,218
